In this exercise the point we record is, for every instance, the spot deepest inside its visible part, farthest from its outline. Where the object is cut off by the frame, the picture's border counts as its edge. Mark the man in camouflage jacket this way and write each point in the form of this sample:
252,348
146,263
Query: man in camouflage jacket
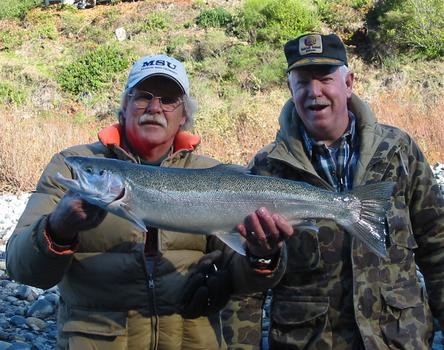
336,293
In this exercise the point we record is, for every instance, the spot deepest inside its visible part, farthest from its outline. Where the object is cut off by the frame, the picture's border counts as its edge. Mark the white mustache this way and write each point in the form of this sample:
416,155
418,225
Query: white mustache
317,103
149,118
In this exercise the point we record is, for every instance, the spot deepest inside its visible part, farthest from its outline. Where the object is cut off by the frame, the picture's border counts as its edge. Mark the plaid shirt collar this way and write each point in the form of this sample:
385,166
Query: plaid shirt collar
335,165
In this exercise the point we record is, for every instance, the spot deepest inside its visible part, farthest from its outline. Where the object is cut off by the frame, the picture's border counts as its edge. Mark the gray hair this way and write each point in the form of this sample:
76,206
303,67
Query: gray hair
189,104
344,70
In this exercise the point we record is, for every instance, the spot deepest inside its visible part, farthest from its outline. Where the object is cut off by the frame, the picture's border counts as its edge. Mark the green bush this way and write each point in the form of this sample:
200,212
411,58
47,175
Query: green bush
11,95
94,71
217,17
11,38
410,27
70,22
156,21
17,8
42,24
153,22
274,20
256,67
344,16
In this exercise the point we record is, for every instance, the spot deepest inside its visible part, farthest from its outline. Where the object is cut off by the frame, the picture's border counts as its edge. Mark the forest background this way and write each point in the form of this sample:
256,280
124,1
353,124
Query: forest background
62,69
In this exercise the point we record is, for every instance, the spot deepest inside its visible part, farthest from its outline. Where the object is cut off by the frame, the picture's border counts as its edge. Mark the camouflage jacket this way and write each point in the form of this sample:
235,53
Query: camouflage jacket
335,288
106,287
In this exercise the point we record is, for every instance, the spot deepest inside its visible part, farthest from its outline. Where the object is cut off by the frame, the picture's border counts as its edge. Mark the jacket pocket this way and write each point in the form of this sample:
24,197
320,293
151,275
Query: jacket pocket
105,323
405,319
299,322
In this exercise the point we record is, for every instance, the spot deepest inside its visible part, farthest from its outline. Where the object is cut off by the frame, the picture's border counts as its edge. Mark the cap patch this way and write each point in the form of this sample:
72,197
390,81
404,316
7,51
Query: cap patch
310,44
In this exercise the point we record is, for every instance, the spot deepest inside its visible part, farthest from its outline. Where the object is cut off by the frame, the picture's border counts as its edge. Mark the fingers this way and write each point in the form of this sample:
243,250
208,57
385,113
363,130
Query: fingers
284,227
264,231
263,225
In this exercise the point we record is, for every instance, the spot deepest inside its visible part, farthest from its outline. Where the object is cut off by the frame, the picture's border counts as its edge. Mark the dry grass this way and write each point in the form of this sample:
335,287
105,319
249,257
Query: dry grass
413,113
27,144
254,122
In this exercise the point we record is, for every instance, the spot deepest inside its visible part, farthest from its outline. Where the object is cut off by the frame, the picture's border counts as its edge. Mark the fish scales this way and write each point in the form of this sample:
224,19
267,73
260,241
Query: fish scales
215,200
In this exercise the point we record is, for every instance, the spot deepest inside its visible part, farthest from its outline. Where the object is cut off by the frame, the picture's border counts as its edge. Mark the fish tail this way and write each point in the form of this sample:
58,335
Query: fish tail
370,226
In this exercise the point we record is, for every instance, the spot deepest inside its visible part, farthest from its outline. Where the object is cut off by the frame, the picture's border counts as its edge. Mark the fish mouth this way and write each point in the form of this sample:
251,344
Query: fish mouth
71,184
120,195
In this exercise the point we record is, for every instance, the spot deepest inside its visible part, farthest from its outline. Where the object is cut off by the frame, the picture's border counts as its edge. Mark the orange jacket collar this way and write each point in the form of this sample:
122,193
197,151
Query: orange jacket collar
112,135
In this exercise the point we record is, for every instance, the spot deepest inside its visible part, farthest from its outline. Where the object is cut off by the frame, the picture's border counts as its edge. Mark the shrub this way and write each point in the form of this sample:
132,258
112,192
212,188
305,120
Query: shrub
44,26
216,17
95,70
70,22
17,8
11,38
10,95
343,16
155,21
257,67
410,27
274,20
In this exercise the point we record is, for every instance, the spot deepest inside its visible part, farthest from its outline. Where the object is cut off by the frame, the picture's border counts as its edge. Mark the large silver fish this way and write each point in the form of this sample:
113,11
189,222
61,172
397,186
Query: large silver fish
215,200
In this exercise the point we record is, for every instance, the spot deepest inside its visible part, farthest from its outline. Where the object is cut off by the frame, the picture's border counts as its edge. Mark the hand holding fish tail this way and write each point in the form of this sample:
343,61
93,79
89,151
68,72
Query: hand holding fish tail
265,232
72,215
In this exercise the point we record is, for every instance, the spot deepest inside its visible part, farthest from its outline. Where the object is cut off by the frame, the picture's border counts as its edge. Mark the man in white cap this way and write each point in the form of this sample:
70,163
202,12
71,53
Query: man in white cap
123,288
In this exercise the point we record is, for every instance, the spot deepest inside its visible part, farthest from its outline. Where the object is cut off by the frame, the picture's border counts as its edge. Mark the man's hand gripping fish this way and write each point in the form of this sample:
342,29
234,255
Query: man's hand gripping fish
213,201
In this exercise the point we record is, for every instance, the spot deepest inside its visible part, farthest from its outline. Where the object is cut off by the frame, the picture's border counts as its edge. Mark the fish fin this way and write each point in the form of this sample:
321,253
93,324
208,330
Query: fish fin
233,239
230,168
124,210
370,228
302,225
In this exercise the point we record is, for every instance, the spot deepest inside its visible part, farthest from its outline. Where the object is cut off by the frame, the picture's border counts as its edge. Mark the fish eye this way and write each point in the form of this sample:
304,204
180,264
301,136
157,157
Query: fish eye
89,170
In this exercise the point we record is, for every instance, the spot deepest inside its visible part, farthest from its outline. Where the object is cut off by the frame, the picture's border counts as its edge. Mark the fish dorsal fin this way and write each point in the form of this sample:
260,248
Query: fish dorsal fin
230,169
232,239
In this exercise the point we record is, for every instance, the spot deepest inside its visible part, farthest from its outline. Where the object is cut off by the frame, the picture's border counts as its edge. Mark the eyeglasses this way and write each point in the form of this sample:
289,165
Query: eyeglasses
142,99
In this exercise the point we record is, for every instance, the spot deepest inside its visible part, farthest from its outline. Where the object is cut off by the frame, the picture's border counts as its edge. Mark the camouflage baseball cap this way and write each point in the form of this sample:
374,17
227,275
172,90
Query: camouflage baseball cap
315,49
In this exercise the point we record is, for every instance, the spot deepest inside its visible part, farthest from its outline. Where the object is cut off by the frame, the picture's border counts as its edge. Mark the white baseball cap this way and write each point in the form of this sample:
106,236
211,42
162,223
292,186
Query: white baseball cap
156,65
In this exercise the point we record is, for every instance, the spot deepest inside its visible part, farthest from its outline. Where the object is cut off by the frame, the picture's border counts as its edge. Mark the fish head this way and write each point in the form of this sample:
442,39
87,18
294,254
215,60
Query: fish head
97,180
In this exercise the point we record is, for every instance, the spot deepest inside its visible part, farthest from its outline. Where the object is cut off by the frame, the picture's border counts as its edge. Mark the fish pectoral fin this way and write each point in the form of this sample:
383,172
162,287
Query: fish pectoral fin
124,210
232,239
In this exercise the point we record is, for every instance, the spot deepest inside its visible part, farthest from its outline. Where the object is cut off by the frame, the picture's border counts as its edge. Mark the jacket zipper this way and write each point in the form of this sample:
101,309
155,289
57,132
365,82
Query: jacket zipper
150,250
